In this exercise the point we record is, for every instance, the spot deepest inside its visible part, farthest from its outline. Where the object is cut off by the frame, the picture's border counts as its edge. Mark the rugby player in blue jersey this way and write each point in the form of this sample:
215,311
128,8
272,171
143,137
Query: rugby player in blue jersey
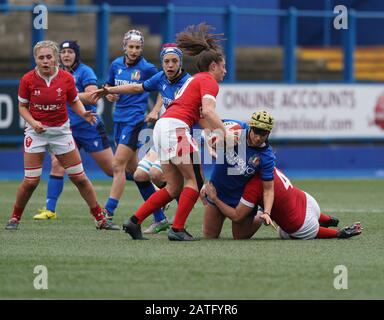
167,83
239,165
92,138
129,118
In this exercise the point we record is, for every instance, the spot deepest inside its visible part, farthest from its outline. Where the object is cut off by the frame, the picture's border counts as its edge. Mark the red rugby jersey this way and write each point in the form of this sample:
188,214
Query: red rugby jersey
290,203
187,105
47,99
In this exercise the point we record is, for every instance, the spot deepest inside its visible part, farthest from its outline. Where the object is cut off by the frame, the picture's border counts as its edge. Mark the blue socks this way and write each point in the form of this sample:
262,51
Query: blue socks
54,189
146,189
111,205
129,176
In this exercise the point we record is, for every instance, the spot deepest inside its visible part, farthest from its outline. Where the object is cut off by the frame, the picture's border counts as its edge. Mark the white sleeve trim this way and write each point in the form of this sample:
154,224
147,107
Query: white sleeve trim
22,100
209,96
77,98
247,203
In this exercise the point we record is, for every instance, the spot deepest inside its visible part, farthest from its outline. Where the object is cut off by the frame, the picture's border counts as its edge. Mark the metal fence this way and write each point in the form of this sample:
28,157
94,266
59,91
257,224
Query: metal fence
231,14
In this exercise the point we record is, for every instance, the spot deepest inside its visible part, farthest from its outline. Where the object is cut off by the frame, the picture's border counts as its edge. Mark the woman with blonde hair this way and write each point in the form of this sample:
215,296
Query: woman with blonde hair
43,96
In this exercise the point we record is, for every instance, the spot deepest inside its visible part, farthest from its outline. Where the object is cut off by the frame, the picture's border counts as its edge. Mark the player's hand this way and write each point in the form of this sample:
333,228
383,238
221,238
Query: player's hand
266,219
231,138
152,117
38,127
90,117
92,97
203,196
112,97
99,93
210,191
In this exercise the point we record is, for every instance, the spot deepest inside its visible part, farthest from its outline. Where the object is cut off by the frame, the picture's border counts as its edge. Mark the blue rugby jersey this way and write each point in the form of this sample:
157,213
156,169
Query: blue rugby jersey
130,107
167,89
84,76
257,159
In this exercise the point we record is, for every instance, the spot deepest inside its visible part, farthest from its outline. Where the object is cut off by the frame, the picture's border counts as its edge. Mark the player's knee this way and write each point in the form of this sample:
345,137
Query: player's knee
56,168
140,176
80,181
174,189
157,177
210,233
240,236
241,232
118,166
30,184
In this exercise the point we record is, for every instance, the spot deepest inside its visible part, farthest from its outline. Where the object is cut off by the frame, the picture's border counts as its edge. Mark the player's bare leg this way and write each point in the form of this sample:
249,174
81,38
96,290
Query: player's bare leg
104,159
213,222
33,168
54,189
71,161
246,228
125,159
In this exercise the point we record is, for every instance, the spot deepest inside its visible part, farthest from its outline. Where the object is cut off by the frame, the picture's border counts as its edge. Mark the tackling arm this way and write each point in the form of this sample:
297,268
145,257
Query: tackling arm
235,215
268,198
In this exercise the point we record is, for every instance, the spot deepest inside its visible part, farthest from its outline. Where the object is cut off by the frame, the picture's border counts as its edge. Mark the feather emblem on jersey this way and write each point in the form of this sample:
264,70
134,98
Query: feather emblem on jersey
135,75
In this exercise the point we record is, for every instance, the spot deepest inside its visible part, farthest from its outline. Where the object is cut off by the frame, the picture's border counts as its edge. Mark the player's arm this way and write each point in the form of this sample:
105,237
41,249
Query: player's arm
78,107
214,122
268,198
132,88
209,114
26,115
154,114
203,123
86,96
235,215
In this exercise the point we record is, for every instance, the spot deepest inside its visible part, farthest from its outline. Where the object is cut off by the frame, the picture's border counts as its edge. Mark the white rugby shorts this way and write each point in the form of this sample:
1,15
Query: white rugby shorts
310,227
172,138
57,140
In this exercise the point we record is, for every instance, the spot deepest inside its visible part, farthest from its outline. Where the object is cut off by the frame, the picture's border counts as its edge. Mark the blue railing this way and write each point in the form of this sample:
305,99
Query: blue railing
231,14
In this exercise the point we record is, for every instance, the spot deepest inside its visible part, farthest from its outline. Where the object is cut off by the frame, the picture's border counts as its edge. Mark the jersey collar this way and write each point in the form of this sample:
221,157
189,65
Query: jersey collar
177,79
49,79
133,64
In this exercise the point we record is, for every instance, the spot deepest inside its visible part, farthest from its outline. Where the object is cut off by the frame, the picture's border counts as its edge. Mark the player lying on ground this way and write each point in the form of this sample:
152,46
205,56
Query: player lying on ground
296,213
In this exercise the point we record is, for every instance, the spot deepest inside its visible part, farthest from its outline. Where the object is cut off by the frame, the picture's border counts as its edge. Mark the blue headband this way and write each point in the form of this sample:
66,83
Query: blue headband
175,50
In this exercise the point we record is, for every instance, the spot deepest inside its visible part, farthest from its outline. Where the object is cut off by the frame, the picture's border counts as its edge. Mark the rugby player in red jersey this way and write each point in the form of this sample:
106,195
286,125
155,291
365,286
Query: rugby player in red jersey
194,103
43,94
296,212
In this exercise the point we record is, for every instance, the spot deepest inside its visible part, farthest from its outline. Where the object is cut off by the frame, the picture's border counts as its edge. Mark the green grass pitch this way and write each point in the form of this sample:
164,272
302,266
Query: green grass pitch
84,263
